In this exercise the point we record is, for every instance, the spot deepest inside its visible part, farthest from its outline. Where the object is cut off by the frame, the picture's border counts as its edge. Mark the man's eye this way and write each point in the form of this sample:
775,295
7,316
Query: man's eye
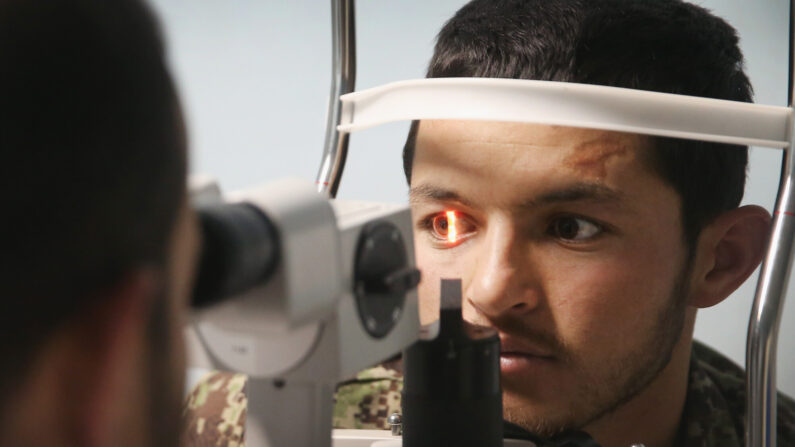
441,225
449,227
574,229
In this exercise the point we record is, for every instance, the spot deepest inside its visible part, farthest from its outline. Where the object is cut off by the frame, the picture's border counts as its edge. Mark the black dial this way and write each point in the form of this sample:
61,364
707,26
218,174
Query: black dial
382,277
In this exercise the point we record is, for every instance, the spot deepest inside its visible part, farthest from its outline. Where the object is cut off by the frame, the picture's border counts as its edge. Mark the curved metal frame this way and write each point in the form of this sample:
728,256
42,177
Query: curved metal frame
762,343
343,80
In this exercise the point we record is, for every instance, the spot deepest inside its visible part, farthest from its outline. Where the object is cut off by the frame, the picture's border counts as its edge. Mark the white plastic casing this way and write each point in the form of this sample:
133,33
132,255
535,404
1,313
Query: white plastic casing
271,328
568,104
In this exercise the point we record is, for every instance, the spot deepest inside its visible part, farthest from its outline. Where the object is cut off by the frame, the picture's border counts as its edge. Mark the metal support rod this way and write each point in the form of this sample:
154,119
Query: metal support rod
765,317
761,398
343,80
274,407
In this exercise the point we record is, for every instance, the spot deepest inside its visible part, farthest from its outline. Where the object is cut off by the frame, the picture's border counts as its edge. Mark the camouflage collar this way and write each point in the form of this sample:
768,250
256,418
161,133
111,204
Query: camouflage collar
715,406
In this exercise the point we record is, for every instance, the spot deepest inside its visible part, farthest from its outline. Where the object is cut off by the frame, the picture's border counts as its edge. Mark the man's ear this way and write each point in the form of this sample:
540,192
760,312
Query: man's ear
729,249
112,334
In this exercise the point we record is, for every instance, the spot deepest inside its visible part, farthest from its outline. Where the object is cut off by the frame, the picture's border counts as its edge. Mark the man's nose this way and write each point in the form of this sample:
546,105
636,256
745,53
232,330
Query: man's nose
504,280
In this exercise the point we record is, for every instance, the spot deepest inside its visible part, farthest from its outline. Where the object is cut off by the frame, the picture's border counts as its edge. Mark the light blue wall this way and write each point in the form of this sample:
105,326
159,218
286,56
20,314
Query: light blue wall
254,77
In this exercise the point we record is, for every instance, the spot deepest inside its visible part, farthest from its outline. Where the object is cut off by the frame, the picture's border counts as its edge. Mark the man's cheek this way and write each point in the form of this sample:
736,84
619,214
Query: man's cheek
602,303
428,295
429,301
435,264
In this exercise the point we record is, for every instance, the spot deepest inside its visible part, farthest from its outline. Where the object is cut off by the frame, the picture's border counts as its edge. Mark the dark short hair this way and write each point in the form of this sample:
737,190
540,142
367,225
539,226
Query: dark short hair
93,161
660,45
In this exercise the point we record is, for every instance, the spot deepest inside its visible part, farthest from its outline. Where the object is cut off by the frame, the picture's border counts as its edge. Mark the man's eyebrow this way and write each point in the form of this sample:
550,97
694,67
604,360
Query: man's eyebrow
434,193
591,192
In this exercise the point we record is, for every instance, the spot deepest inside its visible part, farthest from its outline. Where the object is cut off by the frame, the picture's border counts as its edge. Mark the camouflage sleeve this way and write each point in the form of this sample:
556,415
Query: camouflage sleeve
366,401
215,410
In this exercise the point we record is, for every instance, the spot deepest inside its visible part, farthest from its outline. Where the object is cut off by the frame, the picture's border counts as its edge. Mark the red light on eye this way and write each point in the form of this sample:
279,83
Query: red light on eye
452,233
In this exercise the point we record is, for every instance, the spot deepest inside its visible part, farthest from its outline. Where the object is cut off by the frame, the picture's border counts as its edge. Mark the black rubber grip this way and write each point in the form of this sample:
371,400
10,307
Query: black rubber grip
451,384
240,249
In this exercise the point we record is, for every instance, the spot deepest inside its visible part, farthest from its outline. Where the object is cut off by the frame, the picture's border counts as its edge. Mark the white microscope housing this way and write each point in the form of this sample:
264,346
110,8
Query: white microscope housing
339,297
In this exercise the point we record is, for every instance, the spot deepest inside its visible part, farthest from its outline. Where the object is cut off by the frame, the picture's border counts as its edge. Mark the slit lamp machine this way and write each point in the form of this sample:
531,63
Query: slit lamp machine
299,290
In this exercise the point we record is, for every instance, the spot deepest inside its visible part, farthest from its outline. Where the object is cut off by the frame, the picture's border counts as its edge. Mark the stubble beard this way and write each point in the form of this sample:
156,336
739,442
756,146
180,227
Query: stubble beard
599,396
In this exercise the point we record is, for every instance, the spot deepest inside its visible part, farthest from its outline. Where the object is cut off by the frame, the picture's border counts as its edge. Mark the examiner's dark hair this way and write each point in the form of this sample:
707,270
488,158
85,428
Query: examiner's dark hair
660,45
93,162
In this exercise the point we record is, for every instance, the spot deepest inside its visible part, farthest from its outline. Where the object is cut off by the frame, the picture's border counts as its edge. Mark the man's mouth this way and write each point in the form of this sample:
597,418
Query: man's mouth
521,357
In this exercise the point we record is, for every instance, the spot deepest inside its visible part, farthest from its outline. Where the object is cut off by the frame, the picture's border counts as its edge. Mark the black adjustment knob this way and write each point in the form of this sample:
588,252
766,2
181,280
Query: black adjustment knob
402,280
382,277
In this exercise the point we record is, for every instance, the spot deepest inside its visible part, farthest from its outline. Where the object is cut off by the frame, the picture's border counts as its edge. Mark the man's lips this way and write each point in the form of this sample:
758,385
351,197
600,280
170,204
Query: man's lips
521,357
511,346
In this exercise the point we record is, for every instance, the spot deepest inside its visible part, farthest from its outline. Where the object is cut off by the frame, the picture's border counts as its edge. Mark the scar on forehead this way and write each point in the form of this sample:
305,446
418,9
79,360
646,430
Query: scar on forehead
593,156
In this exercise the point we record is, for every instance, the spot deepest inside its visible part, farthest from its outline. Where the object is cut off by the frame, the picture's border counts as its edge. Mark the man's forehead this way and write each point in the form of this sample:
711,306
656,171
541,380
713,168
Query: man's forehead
444,132
589,152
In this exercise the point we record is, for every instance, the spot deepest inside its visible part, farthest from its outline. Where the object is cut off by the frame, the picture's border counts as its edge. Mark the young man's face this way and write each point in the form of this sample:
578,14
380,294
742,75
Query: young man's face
568,244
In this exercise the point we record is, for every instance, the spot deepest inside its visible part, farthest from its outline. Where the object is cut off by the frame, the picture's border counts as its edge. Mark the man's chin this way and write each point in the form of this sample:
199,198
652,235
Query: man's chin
542,417
535,383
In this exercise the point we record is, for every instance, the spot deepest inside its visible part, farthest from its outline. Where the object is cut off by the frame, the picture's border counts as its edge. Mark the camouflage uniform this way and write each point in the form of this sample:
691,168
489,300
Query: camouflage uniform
714,413
215,411
366,401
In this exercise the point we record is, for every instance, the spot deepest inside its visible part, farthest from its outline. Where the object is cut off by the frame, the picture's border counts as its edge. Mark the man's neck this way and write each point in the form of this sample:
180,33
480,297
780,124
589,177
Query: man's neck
653,416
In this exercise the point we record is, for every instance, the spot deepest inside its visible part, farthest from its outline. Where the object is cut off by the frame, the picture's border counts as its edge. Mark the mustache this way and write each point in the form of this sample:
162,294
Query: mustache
522,330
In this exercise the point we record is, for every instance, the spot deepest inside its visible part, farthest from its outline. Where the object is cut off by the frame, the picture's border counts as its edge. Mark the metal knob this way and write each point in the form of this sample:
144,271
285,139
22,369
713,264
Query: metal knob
396,422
